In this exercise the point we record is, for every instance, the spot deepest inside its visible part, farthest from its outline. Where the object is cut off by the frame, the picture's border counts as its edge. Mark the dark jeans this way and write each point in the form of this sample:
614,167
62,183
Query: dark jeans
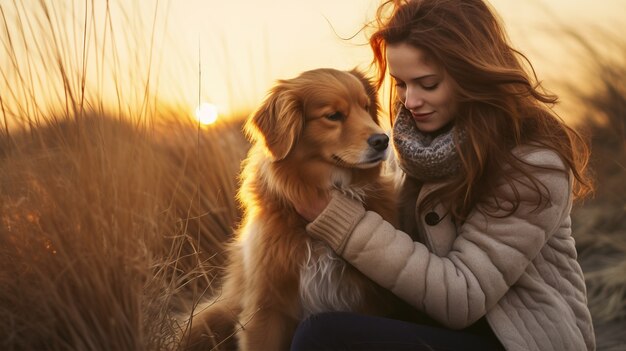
350,331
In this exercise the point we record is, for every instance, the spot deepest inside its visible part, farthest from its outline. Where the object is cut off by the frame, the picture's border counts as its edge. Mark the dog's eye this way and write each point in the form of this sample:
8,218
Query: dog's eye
337,116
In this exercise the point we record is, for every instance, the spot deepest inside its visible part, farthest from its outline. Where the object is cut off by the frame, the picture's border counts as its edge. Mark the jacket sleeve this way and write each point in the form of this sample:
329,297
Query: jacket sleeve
488,255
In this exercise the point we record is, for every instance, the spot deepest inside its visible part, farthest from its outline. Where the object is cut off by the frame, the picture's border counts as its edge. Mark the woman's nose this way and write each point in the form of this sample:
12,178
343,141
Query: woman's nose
412,99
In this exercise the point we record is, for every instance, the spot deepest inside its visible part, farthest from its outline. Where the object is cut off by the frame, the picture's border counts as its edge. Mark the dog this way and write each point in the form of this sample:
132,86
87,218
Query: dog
316,132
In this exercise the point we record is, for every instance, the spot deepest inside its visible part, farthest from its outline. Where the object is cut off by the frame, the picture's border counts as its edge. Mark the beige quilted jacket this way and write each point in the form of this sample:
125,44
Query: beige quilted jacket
520,271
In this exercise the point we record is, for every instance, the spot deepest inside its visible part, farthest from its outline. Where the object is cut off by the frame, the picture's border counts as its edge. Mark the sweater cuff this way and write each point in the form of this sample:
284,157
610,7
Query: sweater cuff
335,224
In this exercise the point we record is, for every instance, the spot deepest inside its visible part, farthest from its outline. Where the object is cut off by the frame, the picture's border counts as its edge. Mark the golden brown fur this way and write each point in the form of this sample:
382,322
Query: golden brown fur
277,275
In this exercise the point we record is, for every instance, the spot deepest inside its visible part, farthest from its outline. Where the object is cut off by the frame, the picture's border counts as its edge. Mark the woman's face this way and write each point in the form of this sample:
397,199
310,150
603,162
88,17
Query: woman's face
423,87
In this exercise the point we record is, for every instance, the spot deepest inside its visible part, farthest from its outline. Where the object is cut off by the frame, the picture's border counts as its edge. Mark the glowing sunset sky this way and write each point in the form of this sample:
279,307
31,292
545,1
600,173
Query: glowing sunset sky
245,45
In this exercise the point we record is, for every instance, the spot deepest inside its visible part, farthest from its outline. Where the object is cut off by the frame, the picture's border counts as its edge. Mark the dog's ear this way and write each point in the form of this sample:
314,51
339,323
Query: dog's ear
370,89
278,122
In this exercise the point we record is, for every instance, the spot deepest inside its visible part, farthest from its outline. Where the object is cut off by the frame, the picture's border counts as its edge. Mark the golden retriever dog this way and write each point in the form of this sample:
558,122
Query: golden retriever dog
313,133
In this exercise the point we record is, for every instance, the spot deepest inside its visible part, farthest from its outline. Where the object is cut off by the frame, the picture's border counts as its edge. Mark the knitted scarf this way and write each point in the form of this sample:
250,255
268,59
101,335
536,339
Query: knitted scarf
422,156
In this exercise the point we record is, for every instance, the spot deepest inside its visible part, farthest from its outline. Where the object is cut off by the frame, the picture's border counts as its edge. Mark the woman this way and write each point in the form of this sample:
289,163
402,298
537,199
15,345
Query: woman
484,247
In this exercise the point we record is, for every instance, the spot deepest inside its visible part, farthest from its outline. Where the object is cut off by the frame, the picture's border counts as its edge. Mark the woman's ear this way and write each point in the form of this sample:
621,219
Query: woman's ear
278,122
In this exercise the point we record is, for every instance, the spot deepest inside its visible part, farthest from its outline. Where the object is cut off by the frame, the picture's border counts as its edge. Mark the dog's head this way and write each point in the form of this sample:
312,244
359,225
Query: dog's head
322,115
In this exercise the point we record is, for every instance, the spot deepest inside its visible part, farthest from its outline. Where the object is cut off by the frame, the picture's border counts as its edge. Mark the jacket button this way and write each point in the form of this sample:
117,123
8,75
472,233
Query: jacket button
432,218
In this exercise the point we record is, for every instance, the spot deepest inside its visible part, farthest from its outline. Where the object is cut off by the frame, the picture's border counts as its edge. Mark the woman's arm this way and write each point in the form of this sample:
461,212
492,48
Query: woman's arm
487,257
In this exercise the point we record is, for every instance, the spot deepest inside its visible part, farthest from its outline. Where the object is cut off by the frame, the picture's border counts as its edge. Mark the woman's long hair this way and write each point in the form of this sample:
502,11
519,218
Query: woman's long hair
501,103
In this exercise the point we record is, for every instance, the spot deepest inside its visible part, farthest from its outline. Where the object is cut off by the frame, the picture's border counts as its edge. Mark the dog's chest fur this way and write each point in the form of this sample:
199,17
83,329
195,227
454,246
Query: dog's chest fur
323,277
322,282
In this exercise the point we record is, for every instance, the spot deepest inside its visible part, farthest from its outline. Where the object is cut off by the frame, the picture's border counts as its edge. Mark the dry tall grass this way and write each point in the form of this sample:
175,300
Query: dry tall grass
106,229
111,223
600,223
112,218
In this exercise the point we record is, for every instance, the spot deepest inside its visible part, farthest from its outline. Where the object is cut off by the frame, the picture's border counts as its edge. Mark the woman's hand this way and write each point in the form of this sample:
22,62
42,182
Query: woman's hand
311,209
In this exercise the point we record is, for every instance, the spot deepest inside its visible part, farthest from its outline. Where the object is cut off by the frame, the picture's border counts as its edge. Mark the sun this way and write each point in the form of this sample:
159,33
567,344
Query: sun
206,113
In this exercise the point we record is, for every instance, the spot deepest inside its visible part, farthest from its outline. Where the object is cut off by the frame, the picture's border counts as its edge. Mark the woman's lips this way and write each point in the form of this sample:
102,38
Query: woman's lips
419,117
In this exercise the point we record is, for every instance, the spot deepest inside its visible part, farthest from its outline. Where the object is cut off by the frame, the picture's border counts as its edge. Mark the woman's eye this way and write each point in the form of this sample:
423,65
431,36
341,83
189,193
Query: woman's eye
430,87
399,84
337,116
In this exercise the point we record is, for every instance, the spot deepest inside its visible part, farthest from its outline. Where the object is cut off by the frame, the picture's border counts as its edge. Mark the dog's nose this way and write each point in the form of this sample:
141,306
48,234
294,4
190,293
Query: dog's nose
378,142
